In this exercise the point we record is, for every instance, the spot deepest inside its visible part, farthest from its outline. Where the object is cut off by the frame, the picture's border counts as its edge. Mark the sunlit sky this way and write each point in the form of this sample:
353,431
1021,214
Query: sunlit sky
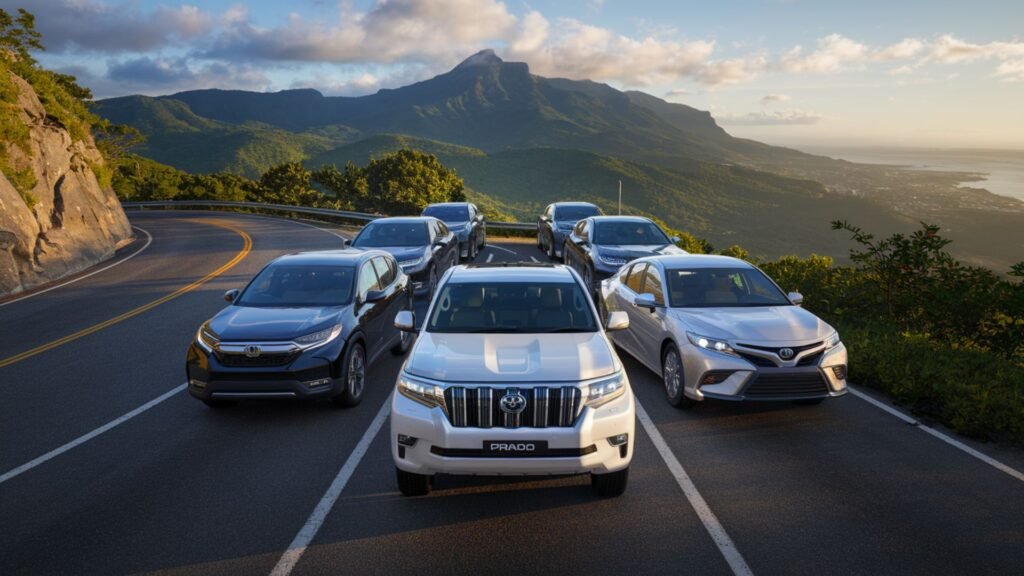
866,72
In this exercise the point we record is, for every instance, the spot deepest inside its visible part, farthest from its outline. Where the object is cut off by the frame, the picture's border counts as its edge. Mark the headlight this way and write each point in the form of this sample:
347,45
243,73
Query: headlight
713,344
411,263
612,260
206,338
605,391
832,341
318,338
427,394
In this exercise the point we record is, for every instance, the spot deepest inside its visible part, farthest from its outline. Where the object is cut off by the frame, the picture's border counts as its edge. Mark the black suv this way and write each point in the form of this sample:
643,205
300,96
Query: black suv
557,221
465,221
306,326
423,245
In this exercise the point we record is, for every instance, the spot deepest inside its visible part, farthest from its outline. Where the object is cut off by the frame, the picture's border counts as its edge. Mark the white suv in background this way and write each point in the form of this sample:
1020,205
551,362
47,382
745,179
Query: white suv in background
512,374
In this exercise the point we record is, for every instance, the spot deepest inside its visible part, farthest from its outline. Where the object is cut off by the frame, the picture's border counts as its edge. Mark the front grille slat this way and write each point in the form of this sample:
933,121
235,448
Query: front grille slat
479,407
768,386
243,361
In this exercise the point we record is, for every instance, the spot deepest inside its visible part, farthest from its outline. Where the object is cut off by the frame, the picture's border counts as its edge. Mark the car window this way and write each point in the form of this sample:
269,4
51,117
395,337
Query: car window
511,307
635,280
652,284
384,272
367,280
455,213
442,230
379,234
290,286
574,213
627,232
722,287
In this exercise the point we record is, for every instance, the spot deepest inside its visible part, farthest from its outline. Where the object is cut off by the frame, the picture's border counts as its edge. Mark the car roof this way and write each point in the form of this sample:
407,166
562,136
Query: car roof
344,256
673,261
511,272
401,220
556,204
599,219
447,204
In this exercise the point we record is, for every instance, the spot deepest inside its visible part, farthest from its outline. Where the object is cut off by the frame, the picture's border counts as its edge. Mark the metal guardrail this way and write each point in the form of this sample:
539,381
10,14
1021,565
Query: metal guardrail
344,214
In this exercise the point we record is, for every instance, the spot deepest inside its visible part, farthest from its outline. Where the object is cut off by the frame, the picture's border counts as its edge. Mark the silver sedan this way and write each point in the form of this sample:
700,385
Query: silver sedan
718,327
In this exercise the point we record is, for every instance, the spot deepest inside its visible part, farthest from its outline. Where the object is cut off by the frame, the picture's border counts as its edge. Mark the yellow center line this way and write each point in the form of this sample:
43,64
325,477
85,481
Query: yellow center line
246,248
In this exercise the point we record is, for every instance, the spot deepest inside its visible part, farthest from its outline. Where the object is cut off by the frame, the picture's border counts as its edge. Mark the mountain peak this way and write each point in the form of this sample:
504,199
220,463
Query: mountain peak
482,58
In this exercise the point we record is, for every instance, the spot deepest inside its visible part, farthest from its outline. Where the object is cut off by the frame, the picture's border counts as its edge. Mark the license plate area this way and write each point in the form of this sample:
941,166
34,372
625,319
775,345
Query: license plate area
515,447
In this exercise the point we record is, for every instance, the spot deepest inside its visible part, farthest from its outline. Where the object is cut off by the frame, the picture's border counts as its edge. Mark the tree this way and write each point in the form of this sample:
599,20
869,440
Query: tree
18,35
406,181
287,183
115,141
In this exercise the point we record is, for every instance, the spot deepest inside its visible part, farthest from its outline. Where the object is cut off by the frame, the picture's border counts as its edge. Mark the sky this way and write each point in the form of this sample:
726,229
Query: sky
794,72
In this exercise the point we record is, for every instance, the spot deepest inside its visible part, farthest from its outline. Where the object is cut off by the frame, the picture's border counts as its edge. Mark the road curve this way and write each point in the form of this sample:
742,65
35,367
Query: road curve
839,488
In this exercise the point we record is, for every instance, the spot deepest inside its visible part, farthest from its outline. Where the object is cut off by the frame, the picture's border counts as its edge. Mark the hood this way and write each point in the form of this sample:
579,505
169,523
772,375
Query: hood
783,324
403,252
520,358
244,323
639,251
565,224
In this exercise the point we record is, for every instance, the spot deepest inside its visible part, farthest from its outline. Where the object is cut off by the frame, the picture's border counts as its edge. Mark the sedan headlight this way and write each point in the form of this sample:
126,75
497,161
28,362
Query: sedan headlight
612,260
318,338
832,341
430,395
411,263
605,391
206,338
709,343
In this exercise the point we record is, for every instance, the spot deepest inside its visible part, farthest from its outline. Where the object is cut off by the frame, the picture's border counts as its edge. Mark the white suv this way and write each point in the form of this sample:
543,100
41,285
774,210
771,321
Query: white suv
512,374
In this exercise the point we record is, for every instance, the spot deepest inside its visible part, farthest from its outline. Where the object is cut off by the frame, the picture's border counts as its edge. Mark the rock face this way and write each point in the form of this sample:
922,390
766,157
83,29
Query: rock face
74,222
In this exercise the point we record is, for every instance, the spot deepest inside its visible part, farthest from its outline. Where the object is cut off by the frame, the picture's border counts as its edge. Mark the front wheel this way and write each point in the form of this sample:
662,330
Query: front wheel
431,282
610,485
404,340
551,249
353,374
672,376
411,484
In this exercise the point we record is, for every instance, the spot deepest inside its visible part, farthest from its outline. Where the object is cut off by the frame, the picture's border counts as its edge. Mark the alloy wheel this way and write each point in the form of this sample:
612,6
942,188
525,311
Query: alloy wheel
357,372
672,374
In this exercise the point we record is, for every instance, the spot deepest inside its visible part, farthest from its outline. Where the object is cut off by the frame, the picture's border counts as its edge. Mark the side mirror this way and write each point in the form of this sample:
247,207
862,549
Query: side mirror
231,295
674,239
617,320
374,296
405,321
796,298
646,301
345,242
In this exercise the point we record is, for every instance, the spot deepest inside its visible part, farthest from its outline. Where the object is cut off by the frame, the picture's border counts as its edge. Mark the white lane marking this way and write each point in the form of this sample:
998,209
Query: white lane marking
945,438
496,247
700,506
534,259
305,536
490,256
89,436
149,240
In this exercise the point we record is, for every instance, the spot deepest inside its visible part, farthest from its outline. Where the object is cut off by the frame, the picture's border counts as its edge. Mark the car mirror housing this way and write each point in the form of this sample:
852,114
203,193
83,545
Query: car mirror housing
674,239
405,321
646,301
231,295
617,320
374,296
796,298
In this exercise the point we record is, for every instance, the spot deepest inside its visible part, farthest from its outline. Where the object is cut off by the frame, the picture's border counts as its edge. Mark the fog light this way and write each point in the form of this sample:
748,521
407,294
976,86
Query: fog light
839,371
196,383
618,440
320,382
406,440
715,377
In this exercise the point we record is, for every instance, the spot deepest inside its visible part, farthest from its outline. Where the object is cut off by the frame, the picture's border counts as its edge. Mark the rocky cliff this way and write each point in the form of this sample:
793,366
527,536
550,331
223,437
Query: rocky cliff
66,221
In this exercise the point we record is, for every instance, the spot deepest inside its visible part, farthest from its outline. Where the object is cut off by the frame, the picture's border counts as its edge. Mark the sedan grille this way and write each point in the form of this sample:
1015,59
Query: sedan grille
787,386
243,361
481,407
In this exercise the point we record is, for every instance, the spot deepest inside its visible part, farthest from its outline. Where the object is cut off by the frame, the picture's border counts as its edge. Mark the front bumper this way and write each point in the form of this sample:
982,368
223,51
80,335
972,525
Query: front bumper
747,382
580,449
310,375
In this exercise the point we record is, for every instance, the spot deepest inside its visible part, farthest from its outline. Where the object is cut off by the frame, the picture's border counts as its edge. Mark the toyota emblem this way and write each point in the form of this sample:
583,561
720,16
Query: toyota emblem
513,403
252,351
786,353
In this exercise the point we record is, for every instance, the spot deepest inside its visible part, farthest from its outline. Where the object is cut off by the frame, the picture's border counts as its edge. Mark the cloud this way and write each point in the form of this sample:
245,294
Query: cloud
949,49
774,98
777,118
155,76
1010,71
677,93
732,71
90,25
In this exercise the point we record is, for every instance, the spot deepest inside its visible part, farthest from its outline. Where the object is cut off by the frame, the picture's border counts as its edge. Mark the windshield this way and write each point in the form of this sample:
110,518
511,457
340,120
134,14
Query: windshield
378,234
575,213
722,287
295,286
448,213
512,307
624,233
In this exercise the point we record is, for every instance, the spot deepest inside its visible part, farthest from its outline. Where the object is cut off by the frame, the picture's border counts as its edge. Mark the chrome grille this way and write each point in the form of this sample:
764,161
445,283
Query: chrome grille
787,386
243,361
480,407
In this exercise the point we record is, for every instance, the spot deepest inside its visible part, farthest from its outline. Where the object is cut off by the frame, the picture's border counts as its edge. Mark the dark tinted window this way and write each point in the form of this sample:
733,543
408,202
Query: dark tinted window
722,287
635,279
385,273
514,307
624,233
448,213
575,212
290,286
378,234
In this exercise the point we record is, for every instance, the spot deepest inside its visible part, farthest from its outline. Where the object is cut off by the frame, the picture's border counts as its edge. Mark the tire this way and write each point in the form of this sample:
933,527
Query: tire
588,279
809,402
404,341
602,312
474,249
411,484
551,249
540,239
431,282
610,485
483,242
673,380
219,404
353,375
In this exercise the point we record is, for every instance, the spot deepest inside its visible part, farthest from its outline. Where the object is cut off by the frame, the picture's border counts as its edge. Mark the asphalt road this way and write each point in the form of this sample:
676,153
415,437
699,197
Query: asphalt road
841,488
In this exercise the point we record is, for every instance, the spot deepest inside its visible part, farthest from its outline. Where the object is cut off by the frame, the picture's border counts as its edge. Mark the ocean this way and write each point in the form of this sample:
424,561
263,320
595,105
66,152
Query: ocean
1004,169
